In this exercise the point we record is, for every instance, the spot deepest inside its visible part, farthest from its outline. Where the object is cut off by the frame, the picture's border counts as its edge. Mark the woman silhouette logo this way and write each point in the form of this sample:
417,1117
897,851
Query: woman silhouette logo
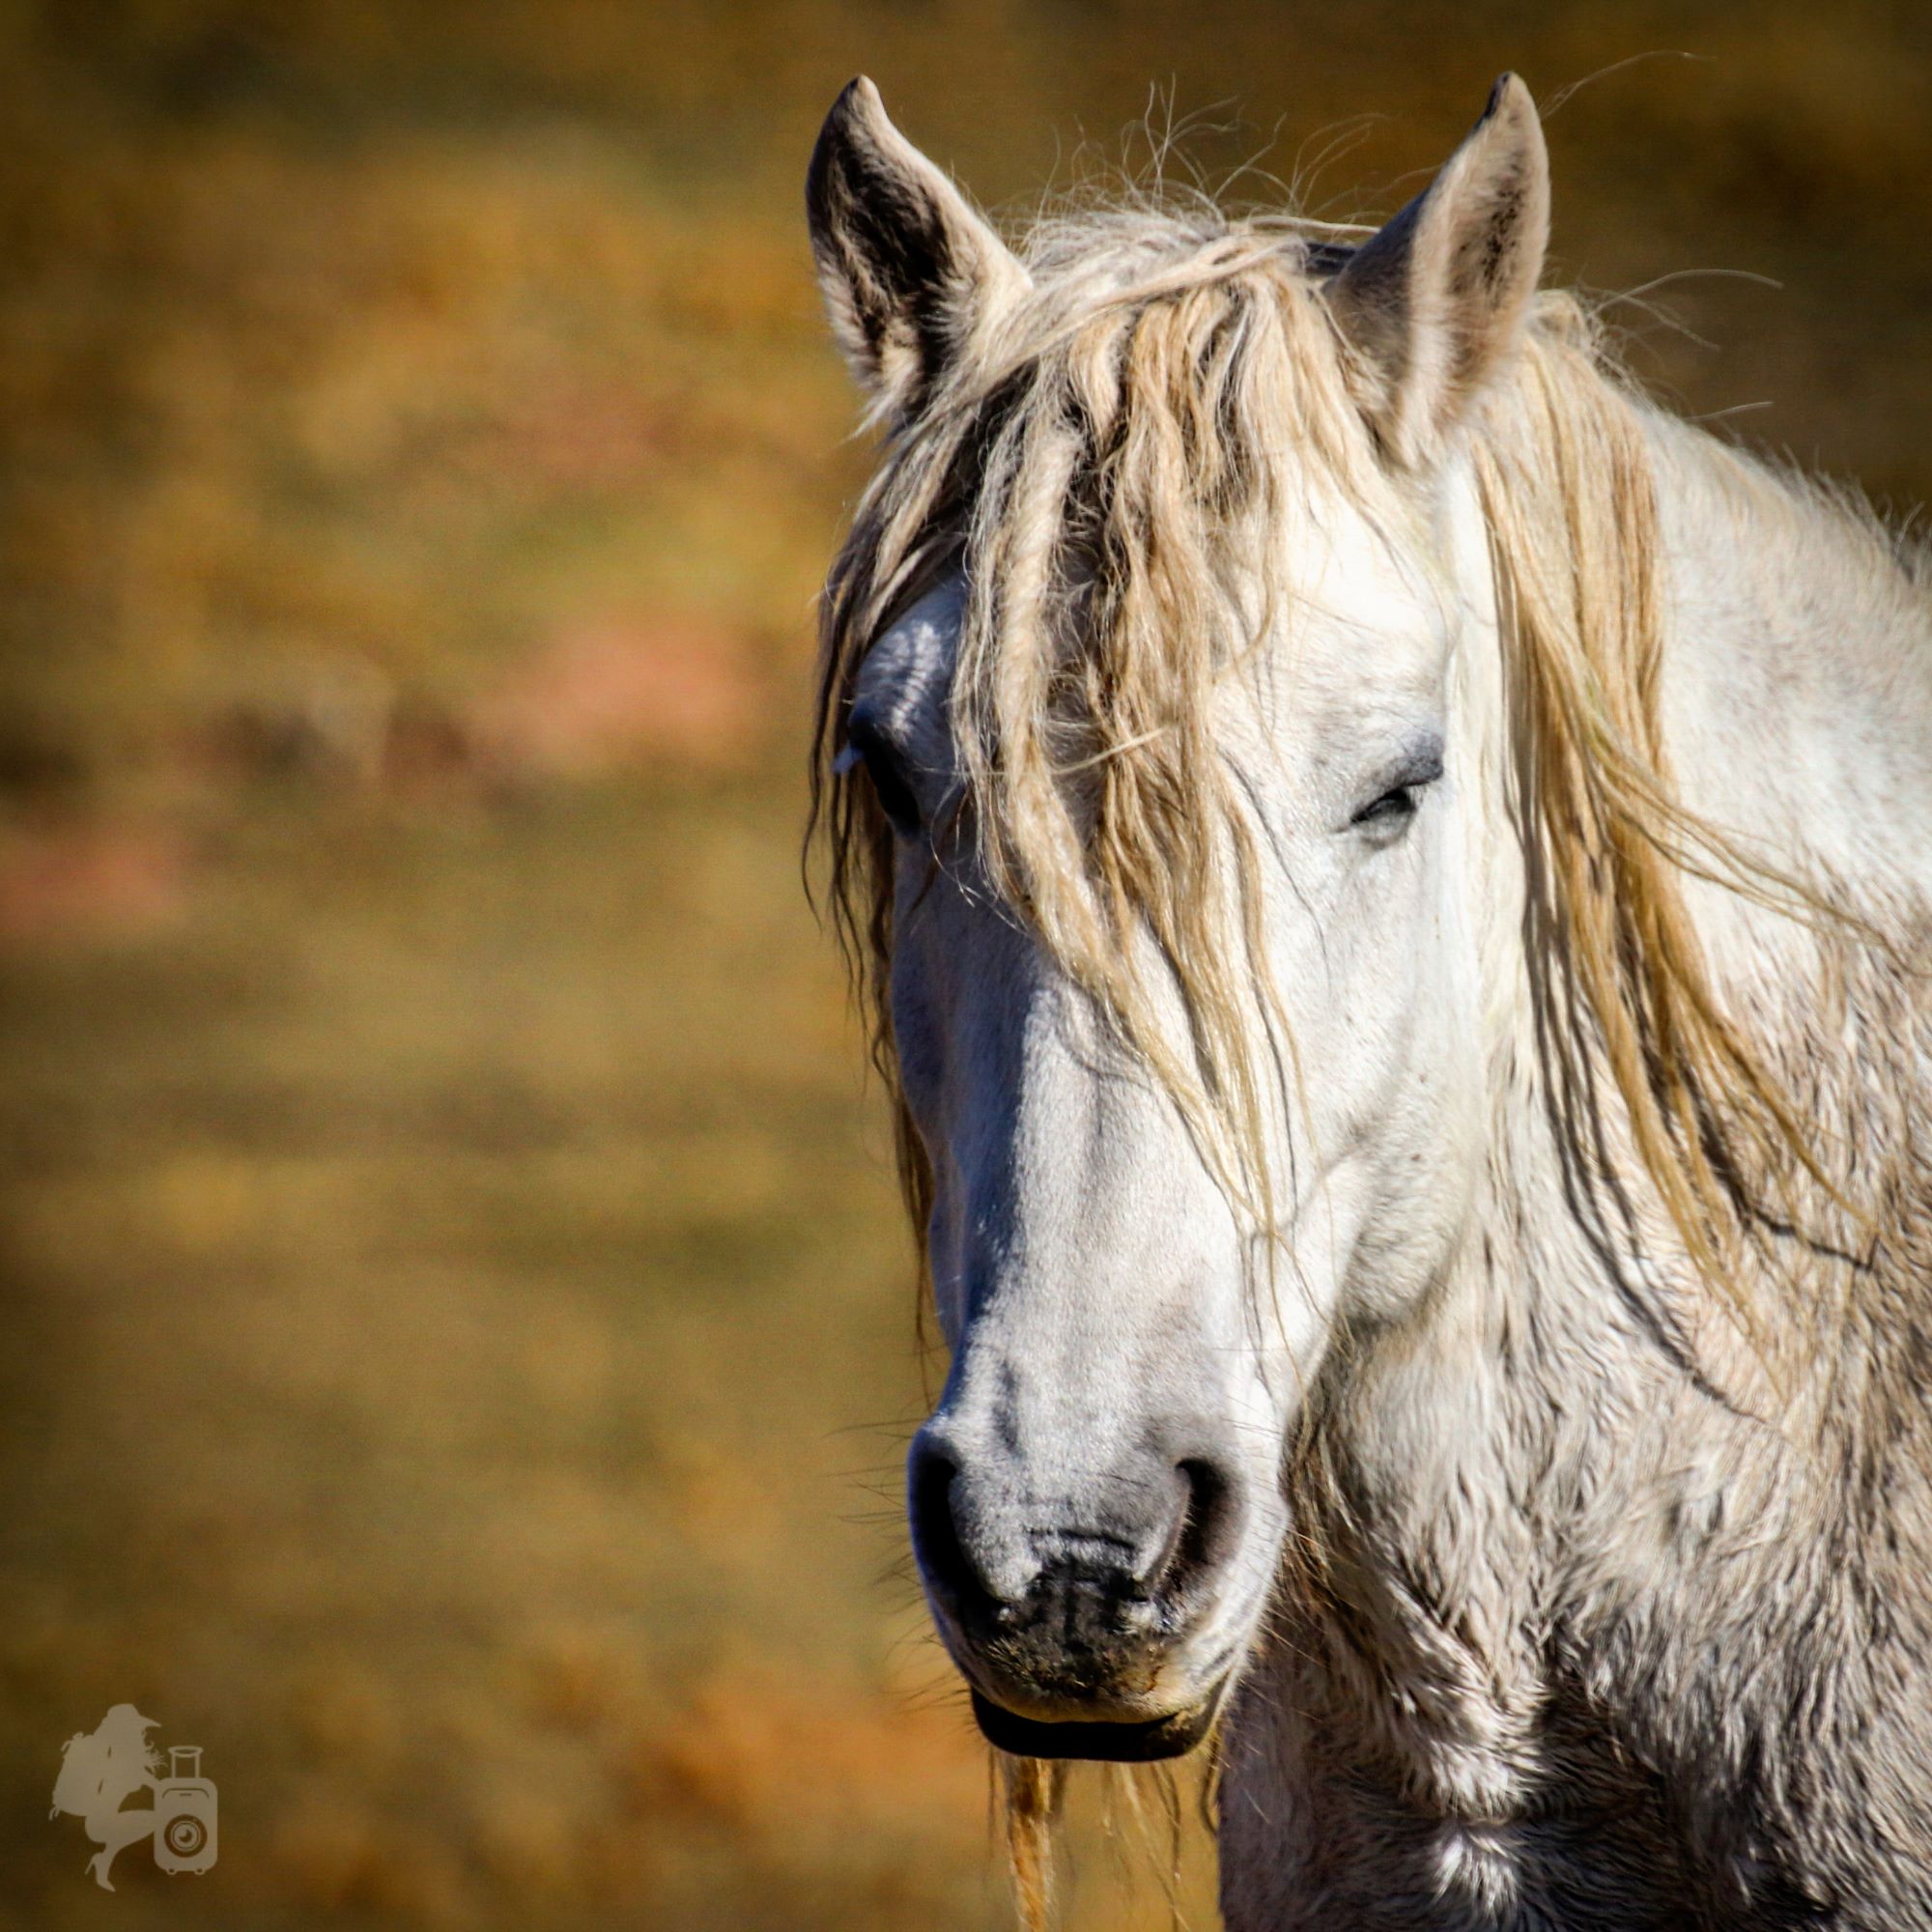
102,1770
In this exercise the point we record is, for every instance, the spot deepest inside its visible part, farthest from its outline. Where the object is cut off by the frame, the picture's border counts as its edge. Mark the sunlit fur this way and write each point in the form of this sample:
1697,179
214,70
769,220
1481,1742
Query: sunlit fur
1608,1594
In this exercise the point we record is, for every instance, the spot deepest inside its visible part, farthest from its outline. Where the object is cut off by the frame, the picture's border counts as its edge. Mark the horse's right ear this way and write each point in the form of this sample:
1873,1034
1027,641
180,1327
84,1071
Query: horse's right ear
910,273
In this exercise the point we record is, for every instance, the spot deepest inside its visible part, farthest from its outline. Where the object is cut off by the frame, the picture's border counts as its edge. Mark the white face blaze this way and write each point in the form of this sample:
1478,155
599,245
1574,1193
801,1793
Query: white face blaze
1096,1498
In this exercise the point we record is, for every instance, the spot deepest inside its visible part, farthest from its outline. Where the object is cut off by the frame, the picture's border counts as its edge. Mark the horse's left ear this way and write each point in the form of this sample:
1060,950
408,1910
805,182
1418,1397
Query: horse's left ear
910,272
1435,300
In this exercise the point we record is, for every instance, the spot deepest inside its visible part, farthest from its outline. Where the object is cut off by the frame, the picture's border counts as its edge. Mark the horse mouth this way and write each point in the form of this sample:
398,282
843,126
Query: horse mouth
1129,1742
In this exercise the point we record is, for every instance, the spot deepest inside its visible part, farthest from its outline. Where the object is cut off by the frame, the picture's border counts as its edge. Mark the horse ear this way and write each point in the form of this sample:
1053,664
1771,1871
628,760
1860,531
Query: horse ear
1435,300
910,273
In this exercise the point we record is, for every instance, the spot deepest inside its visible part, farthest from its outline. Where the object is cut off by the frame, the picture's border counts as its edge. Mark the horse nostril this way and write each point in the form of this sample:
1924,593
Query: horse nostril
1205,1532
935,1533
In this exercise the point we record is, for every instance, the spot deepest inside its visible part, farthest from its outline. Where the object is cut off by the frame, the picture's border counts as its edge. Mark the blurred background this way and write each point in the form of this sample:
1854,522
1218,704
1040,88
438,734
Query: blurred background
458,1336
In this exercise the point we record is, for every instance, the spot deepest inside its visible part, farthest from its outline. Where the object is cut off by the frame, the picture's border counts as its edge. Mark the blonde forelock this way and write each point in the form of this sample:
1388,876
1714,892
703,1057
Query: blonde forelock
1119,475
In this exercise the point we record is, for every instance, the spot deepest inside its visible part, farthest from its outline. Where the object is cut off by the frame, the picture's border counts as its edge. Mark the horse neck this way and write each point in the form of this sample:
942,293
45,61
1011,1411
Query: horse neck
1796,689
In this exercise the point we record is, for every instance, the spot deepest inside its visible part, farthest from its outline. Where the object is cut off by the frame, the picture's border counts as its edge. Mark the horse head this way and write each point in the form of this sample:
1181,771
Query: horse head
1156,792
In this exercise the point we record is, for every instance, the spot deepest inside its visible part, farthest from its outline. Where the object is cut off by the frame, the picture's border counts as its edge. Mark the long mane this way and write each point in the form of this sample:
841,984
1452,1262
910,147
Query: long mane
1121,471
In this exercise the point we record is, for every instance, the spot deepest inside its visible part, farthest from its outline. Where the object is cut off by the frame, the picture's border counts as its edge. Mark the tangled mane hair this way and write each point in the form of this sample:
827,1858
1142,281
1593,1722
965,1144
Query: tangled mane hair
1119,468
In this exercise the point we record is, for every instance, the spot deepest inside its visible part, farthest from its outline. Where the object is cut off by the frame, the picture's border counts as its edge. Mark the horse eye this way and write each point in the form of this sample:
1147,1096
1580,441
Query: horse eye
868,746
1392,810
1395,805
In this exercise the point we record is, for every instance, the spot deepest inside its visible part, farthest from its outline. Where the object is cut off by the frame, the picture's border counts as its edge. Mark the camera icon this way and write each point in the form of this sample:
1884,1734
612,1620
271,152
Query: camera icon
185,1815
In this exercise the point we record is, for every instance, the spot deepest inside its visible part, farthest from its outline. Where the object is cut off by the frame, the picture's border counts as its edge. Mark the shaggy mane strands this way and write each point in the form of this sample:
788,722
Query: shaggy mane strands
1121,469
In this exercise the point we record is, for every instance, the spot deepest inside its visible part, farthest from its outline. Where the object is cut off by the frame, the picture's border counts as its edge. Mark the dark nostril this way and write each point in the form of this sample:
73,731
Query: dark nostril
1205,1532
935,1532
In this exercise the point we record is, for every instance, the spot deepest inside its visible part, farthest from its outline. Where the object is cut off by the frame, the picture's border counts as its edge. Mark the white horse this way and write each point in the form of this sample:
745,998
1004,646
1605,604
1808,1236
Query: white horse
1394,876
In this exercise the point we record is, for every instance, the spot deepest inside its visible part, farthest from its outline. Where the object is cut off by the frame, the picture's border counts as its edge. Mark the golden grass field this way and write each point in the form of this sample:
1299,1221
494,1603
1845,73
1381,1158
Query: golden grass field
459,1344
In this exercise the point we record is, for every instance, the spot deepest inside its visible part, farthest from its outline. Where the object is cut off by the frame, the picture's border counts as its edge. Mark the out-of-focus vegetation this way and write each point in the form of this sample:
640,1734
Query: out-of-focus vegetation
459,1340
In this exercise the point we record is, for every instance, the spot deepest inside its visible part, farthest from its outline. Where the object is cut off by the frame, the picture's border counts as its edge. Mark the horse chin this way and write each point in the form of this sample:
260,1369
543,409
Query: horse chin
1126,1742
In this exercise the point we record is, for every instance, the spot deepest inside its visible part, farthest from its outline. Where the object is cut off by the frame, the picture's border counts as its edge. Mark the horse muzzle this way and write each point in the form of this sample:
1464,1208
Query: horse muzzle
1079,1626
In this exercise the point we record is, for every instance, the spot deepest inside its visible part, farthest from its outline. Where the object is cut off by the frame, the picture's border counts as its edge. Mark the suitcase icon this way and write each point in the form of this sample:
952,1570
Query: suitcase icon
184,1831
